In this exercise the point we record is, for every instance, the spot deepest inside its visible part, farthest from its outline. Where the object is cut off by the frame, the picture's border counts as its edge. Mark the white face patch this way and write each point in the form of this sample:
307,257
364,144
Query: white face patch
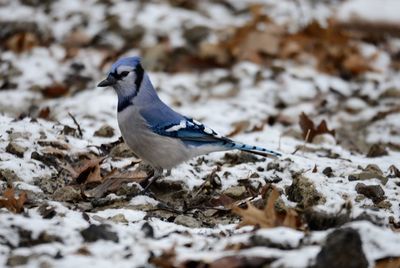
124,68
181,125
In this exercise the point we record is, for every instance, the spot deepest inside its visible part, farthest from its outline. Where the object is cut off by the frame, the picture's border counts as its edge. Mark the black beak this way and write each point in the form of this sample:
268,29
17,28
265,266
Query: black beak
109,81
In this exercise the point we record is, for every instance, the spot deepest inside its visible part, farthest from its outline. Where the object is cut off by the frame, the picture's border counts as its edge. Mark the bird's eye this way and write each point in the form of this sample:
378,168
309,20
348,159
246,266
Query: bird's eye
124,73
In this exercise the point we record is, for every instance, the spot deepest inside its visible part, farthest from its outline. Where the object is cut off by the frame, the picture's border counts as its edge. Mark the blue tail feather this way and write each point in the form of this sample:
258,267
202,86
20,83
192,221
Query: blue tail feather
253,149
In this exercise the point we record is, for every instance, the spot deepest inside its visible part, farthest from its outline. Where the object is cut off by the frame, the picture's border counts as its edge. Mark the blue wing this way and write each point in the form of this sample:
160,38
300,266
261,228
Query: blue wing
169,123
192,133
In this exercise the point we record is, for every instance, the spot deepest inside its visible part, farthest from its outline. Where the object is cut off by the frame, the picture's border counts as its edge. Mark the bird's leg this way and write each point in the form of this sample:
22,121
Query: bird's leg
157,174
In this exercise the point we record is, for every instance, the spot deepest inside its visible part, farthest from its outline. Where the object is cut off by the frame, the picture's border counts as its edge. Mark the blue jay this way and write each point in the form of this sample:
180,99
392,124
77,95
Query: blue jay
157,134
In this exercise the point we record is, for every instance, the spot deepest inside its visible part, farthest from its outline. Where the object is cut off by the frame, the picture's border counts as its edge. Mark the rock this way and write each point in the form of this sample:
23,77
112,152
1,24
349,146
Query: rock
19,135
27,240
328,172
9,176
240,158
391,92
343,248
15,149
54,143
47,211
236,192
49,185
196,34
263,241
48,160
17,260
303,191
147,230
385,204
97,232
372,171
121,150
67,194
187,221
119,218
377,150
104,131
374,192
320,220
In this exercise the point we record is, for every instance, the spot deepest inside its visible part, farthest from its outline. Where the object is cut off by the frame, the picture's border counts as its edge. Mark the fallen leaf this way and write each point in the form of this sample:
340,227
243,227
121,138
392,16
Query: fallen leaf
12,203
87,171
22,41
112,182
238,261
167,259
391,262
309,131
315,169
55,91
268,217
44,113
239,127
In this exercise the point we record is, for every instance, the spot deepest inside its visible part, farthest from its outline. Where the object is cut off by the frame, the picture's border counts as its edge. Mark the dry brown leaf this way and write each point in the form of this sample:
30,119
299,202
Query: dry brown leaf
331,46
239,127
55,91
391,262
112,182
10,202
166,260
310,131
238,261
44,113
88,171
21,42
268,217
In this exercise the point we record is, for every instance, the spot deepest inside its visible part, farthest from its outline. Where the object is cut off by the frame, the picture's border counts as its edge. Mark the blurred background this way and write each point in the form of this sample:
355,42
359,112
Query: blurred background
317,80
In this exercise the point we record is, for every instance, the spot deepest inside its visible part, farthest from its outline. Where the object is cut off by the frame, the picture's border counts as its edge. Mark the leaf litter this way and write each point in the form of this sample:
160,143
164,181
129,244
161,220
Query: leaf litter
269,74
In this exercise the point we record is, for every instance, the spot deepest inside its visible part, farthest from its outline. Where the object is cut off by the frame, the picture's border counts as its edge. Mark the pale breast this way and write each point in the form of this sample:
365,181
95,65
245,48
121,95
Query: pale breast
157,150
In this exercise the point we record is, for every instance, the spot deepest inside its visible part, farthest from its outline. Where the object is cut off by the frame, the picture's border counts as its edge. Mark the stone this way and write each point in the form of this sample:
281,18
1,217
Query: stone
121,150
236,192
343,248
303,191
328,172
97,232
187,221
17,260
377,150
9,176
196,34
368,174
15,149
119,218
105,131
374,192
67,194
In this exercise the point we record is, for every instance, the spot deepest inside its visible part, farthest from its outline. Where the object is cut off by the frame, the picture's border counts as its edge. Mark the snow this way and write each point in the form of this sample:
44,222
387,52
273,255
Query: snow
366,10
219,98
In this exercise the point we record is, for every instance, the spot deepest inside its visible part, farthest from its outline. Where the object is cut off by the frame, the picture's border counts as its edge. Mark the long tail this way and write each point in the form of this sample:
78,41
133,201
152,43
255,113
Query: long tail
253,149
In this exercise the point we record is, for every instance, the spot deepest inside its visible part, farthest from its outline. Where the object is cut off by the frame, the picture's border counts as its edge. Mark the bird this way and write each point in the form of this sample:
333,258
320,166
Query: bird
160,136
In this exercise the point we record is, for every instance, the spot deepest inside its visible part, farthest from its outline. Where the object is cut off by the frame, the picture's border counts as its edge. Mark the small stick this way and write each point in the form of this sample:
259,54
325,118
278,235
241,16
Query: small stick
304,144
76,124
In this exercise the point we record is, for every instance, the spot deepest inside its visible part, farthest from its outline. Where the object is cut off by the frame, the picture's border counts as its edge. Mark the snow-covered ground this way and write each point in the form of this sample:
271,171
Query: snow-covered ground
54,53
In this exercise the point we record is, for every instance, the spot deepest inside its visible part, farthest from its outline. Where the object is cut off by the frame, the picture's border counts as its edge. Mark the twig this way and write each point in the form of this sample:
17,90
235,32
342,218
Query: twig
304,144
76,124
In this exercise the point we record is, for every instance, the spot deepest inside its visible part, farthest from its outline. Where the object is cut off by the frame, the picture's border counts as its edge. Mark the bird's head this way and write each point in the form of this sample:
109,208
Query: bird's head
125,76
